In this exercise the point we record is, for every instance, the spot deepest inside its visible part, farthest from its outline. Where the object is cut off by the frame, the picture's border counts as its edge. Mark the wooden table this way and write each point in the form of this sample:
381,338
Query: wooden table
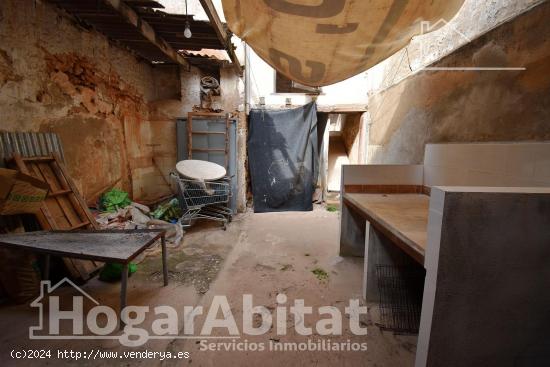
403,218
119,247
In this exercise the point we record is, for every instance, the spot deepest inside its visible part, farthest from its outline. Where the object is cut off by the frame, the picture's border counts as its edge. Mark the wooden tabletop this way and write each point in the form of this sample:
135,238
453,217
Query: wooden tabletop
402,217
110,246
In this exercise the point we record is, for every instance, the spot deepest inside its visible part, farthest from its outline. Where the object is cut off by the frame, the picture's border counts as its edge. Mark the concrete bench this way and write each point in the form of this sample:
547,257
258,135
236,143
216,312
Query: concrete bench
480,242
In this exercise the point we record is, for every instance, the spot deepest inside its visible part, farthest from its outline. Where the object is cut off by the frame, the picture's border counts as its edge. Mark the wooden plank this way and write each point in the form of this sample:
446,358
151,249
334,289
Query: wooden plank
227,126
66,210
76,205
59,210
403,218
74,189
55,184
44,217
146,30
68,201
223,36
190,135
207,114
38,159
209,133
80,225
59,192
207,150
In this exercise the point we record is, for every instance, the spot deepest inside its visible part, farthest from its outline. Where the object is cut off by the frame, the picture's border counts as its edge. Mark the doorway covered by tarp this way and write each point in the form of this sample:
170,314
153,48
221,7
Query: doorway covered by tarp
283,158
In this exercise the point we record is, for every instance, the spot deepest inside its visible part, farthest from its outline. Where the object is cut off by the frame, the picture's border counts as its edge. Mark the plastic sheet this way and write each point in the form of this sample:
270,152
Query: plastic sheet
321,42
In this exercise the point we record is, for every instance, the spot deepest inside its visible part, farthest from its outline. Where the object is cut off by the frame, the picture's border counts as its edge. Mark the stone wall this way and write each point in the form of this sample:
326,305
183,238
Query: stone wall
114,112
467,106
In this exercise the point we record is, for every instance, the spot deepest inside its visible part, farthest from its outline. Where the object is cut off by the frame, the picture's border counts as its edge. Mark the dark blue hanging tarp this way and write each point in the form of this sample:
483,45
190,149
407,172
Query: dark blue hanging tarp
283,159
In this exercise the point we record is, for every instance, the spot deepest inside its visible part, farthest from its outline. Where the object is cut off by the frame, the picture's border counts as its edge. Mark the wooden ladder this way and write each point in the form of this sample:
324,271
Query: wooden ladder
64,208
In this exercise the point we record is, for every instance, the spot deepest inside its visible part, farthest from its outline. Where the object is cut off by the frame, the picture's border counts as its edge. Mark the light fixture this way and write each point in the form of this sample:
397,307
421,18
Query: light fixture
187,32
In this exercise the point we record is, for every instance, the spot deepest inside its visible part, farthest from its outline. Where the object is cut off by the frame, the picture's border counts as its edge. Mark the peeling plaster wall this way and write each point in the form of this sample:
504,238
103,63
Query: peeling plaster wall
115,114
451,106
59,78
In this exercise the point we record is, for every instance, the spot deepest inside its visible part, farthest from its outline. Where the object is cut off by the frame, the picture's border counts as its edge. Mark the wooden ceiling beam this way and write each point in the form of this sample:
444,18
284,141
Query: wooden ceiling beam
222,34
146,30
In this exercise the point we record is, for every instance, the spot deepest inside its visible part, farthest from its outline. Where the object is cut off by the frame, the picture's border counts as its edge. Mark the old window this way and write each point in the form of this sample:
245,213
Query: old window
285,85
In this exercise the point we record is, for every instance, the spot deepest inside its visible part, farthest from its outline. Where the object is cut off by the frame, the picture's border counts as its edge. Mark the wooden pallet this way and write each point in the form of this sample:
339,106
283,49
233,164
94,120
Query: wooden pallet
64,208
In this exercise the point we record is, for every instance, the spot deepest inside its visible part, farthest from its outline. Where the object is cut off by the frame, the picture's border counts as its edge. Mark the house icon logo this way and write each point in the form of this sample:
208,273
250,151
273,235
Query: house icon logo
429,27
55,315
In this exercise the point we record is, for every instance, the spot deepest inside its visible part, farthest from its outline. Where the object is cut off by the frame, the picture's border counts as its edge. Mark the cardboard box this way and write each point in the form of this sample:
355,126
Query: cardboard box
20,193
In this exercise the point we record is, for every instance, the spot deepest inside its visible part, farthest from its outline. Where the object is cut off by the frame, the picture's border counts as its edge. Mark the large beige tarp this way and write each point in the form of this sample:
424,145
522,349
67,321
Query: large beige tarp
321,42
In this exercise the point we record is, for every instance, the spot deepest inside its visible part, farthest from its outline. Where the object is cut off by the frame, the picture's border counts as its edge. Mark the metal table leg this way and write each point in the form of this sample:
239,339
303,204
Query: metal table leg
164,261
123,287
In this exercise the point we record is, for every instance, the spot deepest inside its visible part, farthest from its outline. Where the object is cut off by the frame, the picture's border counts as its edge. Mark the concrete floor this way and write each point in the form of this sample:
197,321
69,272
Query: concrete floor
259,254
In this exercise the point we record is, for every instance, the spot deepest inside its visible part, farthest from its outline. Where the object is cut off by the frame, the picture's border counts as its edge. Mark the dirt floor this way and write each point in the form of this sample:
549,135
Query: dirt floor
260,254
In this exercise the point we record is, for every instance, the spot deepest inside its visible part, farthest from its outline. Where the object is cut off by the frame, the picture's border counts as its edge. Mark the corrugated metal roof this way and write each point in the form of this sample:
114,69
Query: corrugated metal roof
169,27
207,59
219,55
28,144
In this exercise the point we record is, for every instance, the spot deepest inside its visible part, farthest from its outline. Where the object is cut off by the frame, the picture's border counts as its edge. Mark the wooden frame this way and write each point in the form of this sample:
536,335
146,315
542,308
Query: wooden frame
145,29
223,35
190,134
64,208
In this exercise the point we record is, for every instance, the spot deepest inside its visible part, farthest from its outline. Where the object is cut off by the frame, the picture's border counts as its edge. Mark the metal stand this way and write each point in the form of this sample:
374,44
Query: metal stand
123,288
164,260
124,278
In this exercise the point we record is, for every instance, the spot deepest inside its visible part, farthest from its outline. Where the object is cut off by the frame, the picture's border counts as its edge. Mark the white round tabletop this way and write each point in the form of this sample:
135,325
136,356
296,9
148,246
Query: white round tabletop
200,170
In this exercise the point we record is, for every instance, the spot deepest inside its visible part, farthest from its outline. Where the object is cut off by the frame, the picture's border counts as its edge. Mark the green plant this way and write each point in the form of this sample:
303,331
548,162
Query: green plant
320,274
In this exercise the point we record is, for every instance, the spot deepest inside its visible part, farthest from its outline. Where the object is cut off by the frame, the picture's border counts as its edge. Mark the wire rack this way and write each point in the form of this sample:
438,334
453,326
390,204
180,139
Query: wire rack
203,200
401,289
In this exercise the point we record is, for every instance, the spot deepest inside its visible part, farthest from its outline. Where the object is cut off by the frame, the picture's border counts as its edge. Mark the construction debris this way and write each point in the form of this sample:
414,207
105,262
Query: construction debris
138,216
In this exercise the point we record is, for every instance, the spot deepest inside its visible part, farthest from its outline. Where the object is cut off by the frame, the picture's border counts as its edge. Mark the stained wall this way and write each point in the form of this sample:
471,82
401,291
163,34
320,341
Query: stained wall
114,112
470,106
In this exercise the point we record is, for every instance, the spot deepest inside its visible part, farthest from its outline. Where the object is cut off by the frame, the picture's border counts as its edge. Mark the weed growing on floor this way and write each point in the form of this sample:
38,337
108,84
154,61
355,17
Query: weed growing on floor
320,274
332,208
286,267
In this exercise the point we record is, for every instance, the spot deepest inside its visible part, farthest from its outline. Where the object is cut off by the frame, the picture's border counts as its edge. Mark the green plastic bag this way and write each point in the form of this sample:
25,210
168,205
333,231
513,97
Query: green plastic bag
168,211
114,199
113,272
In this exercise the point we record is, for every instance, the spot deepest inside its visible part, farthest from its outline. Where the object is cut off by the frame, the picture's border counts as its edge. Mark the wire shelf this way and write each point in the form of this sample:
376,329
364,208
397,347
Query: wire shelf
401,290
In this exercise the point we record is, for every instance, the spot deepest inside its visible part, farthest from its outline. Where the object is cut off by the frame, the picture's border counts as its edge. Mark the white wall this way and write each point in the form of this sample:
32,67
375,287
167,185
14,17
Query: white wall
488,164
349,92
